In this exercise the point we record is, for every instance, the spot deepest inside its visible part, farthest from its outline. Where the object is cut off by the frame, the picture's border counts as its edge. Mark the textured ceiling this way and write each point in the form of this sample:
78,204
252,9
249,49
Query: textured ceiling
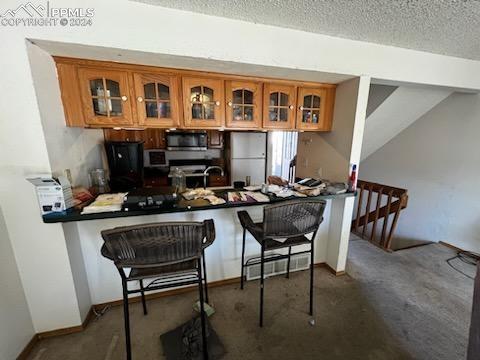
449,27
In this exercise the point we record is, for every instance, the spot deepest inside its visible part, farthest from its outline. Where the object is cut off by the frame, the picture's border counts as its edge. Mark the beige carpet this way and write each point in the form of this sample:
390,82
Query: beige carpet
393,312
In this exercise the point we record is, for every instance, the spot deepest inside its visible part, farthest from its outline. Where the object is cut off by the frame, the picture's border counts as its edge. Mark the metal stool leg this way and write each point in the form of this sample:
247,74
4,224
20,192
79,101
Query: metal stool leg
205,277
243,259
126,317
312,257
288,262
262,268
202,312
144,303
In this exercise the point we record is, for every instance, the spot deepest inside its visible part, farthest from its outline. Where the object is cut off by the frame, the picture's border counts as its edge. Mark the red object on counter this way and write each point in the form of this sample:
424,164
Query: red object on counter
352,181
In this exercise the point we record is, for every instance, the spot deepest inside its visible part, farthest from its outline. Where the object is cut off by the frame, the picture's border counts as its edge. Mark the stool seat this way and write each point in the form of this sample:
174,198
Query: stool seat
271,244
150,272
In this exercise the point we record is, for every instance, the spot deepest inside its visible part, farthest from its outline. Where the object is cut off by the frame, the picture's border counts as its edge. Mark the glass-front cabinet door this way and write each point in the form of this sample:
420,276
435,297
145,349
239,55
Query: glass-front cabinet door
278,106
203,102
244,104
311,111
105,97
157,100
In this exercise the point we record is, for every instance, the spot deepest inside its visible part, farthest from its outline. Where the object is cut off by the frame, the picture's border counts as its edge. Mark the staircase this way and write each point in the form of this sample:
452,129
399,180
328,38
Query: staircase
375,204
392,109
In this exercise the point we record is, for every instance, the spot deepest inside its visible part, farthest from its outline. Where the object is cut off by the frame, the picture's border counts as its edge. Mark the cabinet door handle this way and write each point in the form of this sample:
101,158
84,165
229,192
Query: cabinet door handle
230,103
291,107
217,103
124,98
301,107
139,99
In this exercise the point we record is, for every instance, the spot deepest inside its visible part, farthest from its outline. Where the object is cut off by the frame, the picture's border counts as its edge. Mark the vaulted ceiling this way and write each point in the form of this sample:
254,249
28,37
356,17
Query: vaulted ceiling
449,27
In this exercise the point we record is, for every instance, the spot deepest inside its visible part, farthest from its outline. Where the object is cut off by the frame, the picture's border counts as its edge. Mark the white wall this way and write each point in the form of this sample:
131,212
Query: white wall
403,107
40,249
329,155
437,159
255,44
377,95
79,150
16,327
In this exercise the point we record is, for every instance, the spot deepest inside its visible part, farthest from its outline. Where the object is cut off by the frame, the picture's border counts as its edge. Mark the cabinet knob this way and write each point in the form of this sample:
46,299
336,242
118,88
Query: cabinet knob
301,107
124,98
139,99
217,103
230,103
291,107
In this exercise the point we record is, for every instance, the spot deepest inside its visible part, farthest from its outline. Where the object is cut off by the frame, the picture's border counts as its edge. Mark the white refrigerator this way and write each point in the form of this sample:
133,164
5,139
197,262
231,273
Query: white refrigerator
248,156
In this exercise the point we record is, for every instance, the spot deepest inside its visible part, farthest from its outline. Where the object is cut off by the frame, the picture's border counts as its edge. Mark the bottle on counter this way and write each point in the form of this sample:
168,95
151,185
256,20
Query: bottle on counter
179,181
352,180
99,181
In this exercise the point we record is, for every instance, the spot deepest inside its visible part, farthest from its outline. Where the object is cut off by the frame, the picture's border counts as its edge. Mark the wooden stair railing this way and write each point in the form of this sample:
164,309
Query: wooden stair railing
396,201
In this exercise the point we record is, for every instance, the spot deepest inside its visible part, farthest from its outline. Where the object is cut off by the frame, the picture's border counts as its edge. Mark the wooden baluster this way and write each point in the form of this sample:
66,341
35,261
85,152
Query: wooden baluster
367,211
377,213
359,207
385,219
394,224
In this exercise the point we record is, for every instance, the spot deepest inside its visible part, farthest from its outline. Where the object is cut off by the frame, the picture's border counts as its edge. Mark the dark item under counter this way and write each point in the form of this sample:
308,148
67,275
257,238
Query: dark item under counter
150,198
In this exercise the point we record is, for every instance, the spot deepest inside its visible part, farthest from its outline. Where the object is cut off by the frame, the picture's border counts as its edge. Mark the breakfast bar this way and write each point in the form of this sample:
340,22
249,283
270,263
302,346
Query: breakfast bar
83,238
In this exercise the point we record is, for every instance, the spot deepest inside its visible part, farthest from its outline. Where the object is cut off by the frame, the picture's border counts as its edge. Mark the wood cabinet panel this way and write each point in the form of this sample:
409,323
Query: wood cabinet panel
243,104
70,92
279,106
116,95
123,135
215,139
157,100
203,101
155,181
152,138
105,97
217,180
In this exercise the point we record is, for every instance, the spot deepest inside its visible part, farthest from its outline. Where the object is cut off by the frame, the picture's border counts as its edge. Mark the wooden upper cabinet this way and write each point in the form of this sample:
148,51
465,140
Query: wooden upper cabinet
244,104
203,100
157,100
105,97
154,139
70,92
278,106
312,109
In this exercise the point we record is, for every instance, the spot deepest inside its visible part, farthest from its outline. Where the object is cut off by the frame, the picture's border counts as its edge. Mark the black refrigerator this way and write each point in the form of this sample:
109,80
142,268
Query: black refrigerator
125,162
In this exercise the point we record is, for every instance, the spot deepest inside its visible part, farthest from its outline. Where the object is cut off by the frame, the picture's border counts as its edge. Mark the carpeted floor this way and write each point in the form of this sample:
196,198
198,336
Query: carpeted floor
424,302
405,305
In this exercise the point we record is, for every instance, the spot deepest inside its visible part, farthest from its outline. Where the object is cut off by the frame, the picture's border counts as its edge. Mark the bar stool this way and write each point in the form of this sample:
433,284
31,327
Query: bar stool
172,253
288,222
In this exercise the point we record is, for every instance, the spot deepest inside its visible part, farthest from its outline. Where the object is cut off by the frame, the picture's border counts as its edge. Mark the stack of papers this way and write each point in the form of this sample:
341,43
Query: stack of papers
214,200
247,196
105,203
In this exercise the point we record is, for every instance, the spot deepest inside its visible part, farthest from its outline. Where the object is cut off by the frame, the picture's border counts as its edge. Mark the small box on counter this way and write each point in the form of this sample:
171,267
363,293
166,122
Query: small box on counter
53,195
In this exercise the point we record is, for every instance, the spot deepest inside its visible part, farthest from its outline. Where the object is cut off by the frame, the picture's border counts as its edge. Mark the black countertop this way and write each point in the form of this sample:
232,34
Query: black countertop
179,206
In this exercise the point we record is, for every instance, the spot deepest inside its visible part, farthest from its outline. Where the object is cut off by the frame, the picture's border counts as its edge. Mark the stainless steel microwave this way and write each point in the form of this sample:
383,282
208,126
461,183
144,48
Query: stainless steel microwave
185,141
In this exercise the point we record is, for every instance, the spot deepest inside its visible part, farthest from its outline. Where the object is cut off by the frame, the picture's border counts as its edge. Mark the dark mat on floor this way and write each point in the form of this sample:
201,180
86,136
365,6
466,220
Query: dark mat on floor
185,342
